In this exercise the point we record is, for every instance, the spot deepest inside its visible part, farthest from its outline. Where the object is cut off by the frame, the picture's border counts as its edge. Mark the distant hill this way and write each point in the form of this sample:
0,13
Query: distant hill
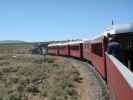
11,41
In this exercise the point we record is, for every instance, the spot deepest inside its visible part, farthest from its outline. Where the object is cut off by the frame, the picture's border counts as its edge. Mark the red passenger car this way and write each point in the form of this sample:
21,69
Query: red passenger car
64,49
119,80
98,48
119,75
87,50
53,49
76,49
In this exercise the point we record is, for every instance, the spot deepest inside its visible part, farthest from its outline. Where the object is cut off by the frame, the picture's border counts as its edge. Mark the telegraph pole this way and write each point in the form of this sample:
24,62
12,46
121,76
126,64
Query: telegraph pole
112,22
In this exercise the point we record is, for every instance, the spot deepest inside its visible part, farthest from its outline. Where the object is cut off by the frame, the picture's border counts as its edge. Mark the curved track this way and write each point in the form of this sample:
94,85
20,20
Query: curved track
92,86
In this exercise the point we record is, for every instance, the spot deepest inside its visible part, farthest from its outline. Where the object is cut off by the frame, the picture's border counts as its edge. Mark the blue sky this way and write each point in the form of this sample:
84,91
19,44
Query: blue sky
44,20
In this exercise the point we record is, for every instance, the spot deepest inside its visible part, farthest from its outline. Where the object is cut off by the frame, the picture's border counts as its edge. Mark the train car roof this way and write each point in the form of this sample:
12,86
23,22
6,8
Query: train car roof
56,44
75,42
119,29
66,43
86,39
52,44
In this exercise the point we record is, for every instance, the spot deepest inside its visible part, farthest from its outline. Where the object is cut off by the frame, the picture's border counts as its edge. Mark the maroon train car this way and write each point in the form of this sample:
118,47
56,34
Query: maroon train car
64,49
119,71
76,49
87,50
119,80
98,48
53,49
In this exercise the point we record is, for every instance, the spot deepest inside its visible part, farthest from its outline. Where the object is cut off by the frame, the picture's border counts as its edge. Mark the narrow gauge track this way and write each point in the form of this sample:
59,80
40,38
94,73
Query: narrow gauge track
92,86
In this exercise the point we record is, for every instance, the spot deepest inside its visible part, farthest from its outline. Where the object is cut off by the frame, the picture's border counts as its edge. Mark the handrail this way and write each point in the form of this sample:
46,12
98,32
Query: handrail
125,72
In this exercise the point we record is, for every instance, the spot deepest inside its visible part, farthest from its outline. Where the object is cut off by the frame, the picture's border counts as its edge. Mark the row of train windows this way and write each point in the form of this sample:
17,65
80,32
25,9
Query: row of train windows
53,48
130,44
97,49
75,47
127,44
62,47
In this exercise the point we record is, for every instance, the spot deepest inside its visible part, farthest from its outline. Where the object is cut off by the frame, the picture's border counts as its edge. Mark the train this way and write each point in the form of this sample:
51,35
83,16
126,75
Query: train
117,74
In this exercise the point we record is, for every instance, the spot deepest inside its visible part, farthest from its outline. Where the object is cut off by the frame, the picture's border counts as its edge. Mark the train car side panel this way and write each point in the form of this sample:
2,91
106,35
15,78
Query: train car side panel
75,50
64,50
97,55
98,62
87,51
119,82
53,50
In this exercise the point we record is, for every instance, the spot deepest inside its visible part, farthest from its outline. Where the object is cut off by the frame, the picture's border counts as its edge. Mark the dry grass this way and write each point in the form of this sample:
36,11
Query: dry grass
30,77
15,48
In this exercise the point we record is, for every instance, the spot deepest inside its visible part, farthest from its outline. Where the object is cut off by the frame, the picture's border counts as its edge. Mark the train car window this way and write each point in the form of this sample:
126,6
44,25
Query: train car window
75,47
88,45
63,47
131,44
50,48
127,44
53,47
97,49
85,45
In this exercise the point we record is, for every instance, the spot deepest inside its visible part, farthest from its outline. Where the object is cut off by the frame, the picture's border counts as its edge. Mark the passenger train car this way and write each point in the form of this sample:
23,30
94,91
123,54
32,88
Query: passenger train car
76,49
64,49
117,73
53,49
